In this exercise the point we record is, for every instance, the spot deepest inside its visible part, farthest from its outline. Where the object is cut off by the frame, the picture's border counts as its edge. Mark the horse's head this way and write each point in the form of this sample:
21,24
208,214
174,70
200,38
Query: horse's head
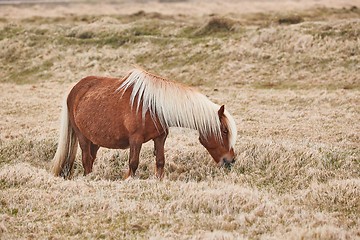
221,148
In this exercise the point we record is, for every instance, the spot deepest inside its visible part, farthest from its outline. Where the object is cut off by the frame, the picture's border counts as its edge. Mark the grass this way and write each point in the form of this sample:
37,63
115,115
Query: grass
216,26
211,44
249,212
266,19
41,151
32,74
290,79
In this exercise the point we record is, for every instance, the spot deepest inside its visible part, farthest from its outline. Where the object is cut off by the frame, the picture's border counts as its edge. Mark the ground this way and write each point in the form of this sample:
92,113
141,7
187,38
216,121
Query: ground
288,71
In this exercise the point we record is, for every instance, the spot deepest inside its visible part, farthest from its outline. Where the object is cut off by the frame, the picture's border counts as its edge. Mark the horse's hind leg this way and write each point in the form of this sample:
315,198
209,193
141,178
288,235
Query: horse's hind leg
94,148
87,155
159,143
135,148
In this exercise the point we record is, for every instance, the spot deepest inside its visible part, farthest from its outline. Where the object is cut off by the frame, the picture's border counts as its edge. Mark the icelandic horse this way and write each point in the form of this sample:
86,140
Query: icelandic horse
125,113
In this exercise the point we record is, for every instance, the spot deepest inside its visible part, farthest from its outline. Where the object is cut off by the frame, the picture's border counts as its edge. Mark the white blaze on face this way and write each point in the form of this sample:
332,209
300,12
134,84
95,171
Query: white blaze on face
232,129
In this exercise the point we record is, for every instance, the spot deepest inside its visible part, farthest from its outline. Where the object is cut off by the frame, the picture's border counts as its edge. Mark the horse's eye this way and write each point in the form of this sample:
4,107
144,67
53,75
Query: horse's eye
225,131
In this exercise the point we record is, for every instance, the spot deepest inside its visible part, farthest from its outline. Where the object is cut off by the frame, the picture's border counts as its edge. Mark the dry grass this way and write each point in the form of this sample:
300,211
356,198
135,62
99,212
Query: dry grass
290,77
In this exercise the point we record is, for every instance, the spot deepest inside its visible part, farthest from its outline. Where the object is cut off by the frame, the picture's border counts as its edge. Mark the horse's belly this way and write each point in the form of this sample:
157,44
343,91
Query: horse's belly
102,133
114,143
102,123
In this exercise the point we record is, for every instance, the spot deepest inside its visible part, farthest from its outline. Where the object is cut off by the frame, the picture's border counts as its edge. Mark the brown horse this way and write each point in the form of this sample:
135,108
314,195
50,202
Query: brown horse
125,113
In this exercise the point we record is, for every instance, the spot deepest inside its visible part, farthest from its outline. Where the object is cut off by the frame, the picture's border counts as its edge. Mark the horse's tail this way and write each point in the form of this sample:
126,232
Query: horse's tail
67,146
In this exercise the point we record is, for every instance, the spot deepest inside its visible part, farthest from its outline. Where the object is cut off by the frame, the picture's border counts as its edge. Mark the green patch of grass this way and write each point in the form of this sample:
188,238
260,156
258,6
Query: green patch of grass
141,15
3,185
39,20
147,28
138,33
335,160
345,31
114,40
38,38
32,74
187,31
11,31
14,211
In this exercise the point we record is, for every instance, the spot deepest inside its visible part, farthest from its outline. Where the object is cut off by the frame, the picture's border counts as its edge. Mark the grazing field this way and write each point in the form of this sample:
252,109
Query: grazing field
288,71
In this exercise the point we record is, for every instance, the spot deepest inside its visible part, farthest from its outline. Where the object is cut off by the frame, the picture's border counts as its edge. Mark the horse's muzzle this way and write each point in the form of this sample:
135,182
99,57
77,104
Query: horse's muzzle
227,163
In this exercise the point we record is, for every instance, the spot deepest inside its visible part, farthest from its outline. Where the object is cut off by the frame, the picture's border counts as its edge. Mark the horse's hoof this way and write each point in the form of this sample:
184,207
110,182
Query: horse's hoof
129,178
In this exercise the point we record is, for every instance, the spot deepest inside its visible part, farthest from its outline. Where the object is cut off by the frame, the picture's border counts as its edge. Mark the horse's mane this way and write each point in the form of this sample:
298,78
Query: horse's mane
175,105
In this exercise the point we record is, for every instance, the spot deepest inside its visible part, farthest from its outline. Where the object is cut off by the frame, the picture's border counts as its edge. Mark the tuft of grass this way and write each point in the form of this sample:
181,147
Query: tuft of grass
324,13
216,26
146,29
281,167
266,19
291,19
148,15
99,38
85,35
39,152
112,167
337,196
348,31
11,31
113,40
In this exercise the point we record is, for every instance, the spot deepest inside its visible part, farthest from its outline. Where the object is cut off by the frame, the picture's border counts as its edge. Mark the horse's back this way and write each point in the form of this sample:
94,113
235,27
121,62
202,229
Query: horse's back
89,82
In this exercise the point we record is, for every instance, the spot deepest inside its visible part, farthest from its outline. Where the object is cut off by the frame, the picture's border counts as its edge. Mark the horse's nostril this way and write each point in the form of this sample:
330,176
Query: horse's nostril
227,165
226,161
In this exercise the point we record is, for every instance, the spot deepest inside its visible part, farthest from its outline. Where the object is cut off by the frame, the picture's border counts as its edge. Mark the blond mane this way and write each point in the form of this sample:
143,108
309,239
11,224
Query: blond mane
175,105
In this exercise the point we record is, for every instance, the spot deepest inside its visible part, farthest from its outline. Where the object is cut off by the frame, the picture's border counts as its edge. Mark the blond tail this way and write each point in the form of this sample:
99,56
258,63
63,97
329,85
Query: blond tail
67,146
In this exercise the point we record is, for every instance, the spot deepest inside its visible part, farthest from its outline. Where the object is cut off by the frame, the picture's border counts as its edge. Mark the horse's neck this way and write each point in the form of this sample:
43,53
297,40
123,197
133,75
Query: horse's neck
190,121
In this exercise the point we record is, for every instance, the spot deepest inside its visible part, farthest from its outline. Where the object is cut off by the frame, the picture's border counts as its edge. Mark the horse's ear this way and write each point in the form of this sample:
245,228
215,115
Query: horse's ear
221,111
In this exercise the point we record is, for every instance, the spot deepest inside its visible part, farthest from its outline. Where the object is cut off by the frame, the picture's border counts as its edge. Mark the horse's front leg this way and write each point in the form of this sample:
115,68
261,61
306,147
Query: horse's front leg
135,147
159,143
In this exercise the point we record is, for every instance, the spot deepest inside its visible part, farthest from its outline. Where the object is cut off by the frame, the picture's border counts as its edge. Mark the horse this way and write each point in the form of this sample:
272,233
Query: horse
121,113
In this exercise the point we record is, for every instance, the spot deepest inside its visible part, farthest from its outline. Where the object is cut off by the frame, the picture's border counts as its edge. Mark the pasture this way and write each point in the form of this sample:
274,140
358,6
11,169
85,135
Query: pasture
288,71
